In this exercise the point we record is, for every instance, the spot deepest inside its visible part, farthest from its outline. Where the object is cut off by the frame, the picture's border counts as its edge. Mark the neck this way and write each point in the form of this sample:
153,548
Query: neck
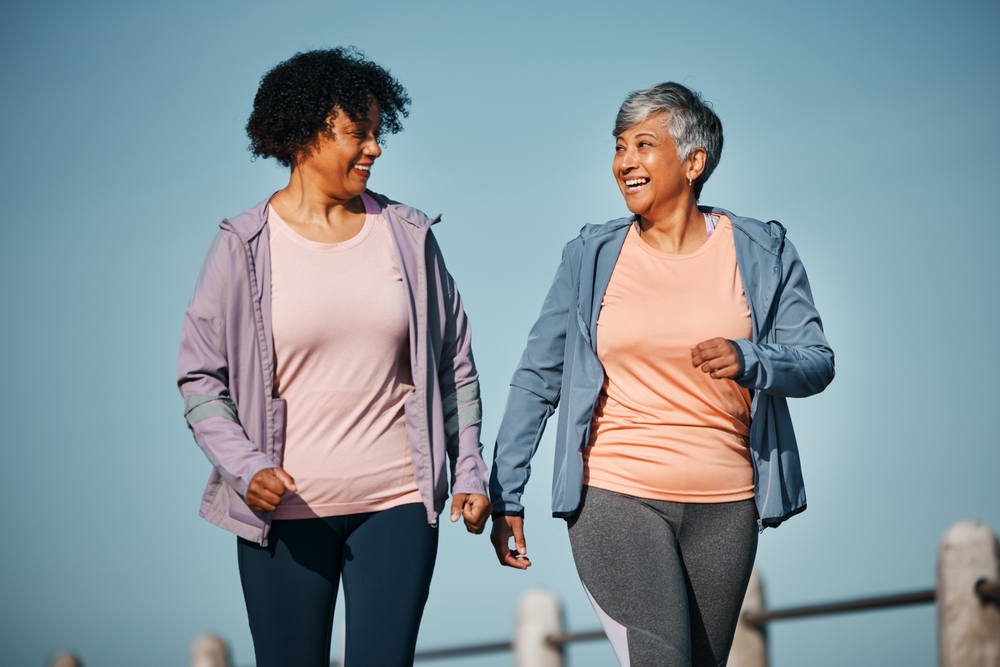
315,212
306,202
677,228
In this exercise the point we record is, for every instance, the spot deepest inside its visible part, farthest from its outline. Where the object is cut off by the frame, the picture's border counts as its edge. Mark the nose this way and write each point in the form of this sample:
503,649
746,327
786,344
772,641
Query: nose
372,148
625,159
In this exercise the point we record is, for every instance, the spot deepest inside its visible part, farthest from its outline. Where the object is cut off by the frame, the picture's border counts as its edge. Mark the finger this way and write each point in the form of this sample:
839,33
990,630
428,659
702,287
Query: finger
267,480
519,544
484,508
499,537
475,511
704,352
286,480
261,506
519,563
728,372
262,503
457,503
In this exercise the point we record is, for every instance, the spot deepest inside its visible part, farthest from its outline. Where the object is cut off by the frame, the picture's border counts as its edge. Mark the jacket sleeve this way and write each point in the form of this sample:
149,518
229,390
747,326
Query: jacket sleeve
459,382
203,374
534,394
800,361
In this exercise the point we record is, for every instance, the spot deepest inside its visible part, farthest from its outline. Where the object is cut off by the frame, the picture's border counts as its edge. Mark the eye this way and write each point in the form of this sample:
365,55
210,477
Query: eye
619,149
644,144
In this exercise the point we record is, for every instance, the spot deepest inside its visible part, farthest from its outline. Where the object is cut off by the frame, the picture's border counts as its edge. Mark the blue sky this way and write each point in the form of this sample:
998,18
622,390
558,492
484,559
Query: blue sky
868,128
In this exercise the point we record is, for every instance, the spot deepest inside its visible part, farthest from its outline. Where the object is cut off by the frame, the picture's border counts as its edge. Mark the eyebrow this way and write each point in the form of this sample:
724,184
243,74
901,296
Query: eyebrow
645,133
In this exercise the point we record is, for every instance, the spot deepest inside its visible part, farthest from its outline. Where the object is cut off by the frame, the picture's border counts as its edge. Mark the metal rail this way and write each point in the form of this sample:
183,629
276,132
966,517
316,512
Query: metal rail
570,637
863,604
988,591
460,651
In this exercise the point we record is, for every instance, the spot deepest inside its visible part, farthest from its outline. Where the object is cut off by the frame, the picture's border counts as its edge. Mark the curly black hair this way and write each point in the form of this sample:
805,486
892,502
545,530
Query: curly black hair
297,98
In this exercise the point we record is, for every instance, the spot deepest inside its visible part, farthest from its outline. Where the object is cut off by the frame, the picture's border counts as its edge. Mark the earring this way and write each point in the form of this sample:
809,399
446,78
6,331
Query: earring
689,182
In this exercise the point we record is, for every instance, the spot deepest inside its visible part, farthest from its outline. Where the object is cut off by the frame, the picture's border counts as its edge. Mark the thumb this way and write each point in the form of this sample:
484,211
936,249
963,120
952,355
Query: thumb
519,543
285,479
457,504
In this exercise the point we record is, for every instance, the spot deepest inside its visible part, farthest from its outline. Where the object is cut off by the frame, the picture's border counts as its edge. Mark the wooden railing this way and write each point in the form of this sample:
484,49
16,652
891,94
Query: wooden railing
967,596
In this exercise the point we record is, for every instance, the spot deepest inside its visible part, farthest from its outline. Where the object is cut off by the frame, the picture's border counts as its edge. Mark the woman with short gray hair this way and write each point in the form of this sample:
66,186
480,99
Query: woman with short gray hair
672,338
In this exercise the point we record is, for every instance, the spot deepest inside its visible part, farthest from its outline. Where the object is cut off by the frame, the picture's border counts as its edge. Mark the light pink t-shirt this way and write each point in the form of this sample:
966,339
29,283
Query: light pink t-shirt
340,316
662,428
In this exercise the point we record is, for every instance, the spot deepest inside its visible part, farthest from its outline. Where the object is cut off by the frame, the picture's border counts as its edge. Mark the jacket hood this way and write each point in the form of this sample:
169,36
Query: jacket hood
248,224
768,235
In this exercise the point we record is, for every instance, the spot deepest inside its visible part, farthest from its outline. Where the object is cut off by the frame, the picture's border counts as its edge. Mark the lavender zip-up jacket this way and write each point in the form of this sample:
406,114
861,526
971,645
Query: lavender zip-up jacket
226,369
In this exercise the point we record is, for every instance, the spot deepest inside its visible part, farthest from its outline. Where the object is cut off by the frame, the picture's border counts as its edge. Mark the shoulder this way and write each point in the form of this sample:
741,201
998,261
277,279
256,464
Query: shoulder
610,227
769,236
250,222
413,216
596,234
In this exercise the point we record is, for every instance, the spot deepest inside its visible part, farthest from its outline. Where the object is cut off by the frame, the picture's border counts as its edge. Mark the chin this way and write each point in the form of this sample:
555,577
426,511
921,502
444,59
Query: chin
635,209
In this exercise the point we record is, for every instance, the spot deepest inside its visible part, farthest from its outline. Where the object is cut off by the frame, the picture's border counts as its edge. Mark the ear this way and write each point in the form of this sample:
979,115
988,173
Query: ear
695,163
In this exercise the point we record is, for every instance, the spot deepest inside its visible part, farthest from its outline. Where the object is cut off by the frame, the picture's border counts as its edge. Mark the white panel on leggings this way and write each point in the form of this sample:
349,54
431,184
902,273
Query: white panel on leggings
616,632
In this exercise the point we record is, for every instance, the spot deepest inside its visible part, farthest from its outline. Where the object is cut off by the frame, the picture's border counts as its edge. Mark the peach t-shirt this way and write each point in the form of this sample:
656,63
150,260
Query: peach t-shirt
340,317
663,429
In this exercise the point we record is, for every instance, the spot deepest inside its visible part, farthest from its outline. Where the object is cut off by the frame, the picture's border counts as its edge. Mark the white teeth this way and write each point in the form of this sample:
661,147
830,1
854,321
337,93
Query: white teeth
636,181
366,167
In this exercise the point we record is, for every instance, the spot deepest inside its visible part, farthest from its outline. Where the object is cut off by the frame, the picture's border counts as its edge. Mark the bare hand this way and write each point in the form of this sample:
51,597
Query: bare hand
504,528
717,357
474,508
266,488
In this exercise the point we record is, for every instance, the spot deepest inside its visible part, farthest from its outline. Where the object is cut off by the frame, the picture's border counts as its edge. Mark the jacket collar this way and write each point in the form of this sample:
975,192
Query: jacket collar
770,235
250,222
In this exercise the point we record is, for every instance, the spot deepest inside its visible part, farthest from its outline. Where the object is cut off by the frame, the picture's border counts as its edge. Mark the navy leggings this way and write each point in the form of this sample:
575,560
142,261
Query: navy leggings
386,560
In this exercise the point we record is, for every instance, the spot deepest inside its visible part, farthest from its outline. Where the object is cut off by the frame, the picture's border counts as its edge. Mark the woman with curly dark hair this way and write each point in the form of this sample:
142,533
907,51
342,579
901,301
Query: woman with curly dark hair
327,373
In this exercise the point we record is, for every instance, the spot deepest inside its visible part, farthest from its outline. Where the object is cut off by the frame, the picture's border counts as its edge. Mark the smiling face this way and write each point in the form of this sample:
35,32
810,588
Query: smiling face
342,159
650,176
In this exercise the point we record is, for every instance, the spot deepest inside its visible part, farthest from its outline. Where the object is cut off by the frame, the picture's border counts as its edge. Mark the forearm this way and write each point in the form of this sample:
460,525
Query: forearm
230,452
793,358
517,441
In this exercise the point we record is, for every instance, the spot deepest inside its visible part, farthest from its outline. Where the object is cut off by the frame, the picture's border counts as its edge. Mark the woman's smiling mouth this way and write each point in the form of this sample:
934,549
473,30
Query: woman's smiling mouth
634,185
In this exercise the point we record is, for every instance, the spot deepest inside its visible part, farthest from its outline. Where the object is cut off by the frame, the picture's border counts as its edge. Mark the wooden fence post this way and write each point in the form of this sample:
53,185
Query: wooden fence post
968,628
750,643
539,615
209,651
65,660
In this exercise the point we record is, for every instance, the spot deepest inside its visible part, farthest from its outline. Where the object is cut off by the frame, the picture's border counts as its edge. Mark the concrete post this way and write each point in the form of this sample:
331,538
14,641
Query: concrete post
968,628
539,615
750,643
209,651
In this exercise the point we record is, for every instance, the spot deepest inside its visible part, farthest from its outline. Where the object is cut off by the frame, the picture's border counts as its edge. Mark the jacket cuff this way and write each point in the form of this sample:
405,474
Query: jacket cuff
477,486
739,355
509,508
748,357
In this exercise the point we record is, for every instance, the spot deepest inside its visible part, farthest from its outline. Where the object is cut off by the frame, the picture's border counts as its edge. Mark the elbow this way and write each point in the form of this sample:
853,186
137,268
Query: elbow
819,376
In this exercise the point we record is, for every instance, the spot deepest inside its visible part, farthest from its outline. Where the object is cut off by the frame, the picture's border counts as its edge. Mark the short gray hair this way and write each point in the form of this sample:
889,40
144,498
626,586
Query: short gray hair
691,122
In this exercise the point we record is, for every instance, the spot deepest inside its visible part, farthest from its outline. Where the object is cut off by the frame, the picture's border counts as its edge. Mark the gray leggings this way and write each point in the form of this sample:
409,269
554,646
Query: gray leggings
666,579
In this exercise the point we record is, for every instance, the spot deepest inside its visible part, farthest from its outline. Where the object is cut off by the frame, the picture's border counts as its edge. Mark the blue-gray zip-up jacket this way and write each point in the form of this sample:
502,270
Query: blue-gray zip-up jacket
788,357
